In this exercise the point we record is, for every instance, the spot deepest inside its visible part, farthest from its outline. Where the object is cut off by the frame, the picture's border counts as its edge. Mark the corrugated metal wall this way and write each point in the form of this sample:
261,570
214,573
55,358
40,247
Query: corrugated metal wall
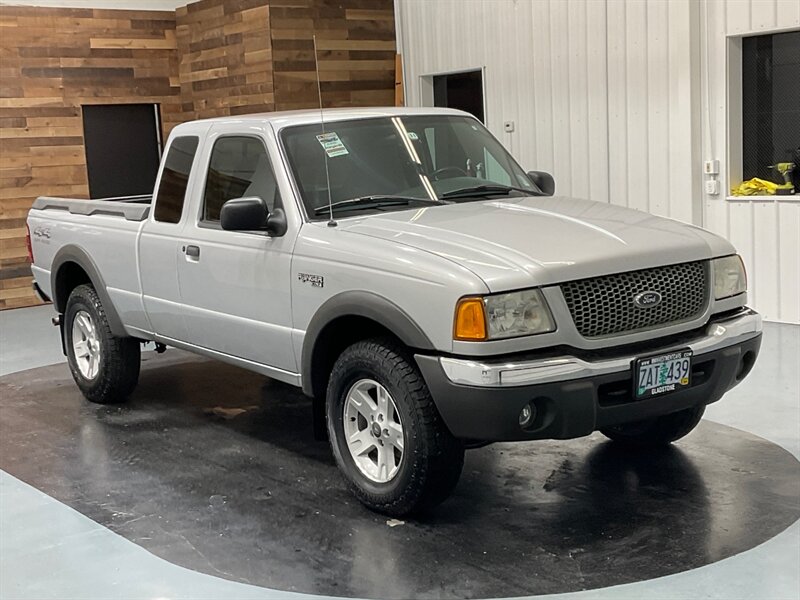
608,95
767,233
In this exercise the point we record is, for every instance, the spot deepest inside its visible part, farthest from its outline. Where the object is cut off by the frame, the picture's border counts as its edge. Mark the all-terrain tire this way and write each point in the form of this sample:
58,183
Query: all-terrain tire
658,431
432,458
116,373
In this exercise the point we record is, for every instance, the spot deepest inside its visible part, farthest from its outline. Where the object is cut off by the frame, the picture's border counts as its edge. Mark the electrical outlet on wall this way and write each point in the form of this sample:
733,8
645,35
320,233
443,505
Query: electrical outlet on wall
712,187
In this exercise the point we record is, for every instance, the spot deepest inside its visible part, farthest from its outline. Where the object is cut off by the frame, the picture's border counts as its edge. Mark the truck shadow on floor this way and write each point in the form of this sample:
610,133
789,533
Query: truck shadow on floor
217,469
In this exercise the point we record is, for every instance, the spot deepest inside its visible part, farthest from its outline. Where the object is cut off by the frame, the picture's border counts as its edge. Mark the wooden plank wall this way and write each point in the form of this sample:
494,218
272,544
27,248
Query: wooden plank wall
240,57
51,62
225,58
210,58
356,45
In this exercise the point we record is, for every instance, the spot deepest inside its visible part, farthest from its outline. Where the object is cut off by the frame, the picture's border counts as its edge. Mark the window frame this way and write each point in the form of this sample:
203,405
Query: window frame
189,184
208,224
734,118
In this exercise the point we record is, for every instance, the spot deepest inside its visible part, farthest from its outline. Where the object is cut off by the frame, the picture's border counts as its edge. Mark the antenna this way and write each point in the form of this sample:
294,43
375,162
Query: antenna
331,222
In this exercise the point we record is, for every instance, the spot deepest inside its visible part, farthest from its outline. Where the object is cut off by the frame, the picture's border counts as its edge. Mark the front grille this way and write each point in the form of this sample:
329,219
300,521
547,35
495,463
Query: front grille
603,306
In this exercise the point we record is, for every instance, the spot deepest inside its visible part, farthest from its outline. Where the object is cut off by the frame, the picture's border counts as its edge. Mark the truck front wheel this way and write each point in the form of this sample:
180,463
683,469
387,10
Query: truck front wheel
105,367
387,437
658,431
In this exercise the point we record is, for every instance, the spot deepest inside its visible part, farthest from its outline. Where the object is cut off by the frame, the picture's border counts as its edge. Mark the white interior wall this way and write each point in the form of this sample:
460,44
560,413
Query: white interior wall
766,232
609,96
594,88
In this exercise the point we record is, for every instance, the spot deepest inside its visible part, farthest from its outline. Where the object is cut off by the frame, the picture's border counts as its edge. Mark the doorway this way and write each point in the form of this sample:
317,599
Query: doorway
123,148
462,90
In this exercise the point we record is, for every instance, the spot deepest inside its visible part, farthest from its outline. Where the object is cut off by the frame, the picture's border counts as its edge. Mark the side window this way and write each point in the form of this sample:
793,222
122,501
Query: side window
239,167
171,191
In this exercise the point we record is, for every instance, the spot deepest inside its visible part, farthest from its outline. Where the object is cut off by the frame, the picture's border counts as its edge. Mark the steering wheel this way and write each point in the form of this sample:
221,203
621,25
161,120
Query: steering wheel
455,172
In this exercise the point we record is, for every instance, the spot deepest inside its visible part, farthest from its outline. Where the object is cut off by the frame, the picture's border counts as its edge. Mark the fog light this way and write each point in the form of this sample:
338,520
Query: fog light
527,415
745,366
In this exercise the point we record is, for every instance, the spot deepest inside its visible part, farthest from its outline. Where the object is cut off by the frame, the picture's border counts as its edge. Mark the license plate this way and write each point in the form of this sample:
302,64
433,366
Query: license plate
662,374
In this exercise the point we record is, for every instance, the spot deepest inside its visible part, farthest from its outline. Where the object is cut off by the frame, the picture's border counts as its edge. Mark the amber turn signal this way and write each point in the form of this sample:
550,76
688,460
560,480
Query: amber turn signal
470,321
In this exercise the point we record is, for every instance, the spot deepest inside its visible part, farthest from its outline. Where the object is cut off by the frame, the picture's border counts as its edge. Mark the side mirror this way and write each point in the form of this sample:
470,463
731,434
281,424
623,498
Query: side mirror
544,181
252,214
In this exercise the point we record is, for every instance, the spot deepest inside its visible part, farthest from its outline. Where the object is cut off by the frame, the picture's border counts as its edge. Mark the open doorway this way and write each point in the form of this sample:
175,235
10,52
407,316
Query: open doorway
123,148
462,90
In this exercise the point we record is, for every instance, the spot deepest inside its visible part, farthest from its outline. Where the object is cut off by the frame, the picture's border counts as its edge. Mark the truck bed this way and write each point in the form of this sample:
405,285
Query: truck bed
105,232
131,208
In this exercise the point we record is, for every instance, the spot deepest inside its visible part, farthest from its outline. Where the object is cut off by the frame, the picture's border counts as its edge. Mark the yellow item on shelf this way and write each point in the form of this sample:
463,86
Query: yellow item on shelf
754,187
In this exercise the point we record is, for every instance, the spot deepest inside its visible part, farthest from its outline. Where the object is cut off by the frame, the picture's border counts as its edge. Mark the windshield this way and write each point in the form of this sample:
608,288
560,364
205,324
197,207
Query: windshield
419,159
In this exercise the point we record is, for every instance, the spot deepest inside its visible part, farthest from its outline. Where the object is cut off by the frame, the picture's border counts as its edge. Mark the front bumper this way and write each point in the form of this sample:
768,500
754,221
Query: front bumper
574,396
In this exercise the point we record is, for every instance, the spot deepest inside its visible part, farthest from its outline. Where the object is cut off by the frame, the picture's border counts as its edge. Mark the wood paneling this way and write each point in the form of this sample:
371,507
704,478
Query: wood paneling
243,57
225,58
52,61
356,52
210,58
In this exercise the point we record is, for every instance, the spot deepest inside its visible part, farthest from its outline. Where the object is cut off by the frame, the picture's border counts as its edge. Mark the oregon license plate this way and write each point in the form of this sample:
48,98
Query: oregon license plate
662,374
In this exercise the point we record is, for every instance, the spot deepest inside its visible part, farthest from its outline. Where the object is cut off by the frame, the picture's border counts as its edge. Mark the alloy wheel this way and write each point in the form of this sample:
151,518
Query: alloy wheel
86,344
373,430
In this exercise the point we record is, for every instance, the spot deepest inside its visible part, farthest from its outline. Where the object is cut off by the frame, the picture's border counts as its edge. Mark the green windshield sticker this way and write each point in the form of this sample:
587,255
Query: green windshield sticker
412,135
332,145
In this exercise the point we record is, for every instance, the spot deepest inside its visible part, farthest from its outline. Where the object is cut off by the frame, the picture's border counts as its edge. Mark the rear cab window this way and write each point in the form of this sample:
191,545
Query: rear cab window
171,193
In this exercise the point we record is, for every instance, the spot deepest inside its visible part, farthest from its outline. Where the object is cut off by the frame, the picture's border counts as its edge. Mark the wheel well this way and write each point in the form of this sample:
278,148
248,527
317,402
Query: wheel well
70,275
333,339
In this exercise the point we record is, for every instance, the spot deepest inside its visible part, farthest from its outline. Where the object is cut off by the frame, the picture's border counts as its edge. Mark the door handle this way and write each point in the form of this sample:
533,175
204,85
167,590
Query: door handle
193,253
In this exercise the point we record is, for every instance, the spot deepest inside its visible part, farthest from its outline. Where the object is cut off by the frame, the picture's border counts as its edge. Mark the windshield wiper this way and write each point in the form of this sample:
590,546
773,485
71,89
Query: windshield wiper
485,190
374,201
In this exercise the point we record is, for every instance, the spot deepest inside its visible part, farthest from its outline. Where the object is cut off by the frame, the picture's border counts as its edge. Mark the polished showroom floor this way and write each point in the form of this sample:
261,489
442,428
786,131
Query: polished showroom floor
209,484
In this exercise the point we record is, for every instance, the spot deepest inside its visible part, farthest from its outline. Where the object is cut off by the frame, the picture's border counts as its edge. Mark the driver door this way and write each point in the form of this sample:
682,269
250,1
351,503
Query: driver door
235,284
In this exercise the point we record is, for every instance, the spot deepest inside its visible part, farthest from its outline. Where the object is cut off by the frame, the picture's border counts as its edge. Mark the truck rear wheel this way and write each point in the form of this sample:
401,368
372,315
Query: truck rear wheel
388,439
659,431
105,367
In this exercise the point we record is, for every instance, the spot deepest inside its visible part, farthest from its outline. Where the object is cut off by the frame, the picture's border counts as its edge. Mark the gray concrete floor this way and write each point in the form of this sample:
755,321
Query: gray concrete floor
28,339
48,550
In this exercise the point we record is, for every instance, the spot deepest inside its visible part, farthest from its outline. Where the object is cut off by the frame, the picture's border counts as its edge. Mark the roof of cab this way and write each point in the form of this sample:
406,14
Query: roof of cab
280,119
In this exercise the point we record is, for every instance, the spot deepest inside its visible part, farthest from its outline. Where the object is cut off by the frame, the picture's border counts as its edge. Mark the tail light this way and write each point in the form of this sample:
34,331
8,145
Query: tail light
28,243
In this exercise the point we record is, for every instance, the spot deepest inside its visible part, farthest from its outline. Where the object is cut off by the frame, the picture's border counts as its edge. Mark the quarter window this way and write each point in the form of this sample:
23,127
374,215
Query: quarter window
171,193
239,167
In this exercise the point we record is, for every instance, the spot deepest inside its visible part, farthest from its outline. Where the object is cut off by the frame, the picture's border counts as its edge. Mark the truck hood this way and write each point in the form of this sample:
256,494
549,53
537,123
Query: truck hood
531,241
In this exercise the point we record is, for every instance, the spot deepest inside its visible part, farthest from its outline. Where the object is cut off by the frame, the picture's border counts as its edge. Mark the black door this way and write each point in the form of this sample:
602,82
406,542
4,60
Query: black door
123,148
463,91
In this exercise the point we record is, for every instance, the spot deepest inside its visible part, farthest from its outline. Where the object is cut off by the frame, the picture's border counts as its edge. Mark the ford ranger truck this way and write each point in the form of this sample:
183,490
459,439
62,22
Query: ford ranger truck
400,267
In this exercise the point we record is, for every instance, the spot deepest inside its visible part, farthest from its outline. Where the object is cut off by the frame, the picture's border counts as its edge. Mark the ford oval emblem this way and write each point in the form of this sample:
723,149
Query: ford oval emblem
647,299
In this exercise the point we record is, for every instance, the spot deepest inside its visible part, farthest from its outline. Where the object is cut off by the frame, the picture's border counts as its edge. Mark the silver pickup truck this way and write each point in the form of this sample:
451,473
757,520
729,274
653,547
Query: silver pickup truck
402,268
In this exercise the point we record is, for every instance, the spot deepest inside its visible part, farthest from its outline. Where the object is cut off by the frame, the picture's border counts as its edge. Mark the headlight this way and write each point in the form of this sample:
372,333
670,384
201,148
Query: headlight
502,316
729,276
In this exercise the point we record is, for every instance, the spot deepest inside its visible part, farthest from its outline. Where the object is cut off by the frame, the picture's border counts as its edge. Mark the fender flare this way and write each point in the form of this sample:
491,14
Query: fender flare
359,304
77,255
